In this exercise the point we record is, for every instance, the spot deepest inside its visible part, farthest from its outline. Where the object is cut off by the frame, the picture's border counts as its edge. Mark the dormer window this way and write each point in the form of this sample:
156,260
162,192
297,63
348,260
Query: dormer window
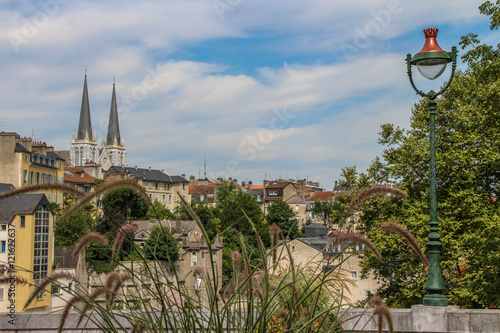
273,192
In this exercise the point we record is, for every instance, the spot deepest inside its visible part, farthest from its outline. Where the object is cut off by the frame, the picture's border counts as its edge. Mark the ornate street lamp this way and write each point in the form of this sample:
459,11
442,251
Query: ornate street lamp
431,62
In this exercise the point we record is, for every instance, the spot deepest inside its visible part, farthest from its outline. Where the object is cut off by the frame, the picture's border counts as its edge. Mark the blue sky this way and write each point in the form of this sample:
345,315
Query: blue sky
290,89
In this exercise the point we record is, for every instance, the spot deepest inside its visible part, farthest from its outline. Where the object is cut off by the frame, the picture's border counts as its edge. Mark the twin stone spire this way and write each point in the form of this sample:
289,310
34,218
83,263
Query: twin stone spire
84,149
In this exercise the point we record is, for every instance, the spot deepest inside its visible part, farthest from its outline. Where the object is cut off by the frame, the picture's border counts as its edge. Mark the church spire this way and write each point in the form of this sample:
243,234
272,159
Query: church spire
113,126
85,125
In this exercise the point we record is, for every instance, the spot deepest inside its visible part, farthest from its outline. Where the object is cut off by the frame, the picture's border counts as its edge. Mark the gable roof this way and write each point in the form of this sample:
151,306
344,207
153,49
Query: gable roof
296,200
21,204
278,185
150,174
21,149
77,175
5,187
202,189
321,196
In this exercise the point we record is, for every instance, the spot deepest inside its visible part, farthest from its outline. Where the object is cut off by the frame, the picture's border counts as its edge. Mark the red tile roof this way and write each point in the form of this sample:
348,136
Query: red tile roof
202,189
77,175
321,195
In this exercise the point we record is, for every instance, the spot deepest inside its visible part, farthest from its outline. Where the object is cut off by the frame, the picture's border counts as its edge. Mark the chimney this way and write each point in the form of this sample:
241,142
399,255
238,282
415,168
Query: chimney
191,180
135,167
178,226
183,175
243,184
149,169
250,185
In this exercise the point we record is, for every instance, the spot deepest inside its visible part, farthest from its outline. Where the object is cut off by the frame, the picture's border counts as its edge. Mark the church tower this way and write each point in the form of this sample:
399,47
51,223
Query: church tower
84,145
113,147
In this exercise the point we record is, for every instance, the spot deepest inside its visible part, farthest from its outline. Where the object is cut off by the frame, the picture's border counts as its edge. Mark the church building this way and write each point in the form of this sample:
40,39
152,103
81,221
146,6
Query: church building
84,150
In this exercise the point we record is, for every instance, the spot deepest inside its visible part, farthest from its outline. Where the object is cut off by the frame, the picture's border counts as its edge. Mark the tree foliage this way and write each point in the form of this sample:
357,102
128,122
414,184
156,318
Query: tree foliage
70,230
161,245
468,180
282,215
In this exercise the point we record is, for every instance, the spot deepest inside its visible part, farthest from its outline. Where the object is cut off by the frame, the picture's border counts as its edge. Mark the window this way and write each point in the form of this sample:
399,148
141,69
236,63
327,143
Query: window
164,198
194,259
37,178
25,158
22,221
183,186
157,186
150,185
31,177
170,198
354,275
3,227
273,192
25,176
55,289
297,208
43,178
49,197
3,245
167,186
41,244
1,294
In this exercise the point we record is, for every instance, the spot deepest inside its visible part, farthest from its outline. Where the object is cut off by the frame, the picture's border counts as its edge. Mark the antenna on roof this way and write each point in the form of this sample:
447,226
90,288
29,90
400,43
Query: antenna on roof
205,169
85,71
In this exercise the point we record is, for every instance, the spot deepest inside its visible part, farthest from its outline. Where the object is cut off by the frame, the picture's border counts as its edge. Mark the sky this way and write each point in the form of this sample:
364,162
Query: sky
260,89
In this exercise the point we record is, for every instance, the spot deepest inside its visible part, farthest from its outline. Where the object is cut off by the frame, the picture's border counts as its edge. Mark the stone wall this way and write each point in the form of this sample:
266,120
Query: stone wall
417,319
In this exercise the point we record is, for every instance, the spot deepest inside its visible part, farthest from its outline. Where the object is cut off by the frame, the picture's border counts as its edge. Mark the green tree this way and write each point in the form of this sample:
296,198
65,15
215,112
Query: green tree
120,205
158,210
71,229
161,245
282,215
468,180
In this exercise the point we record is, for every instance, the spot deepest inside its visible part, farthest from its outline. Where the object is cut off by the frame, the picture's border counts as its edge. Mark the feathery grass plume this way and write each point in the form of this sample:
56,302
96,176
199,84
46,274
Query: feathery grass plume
274,230
113,283
54,276
236,261
358,238
87,239
64,314
106,187
12,279
43,187
374,190
381,310
126,229
403,232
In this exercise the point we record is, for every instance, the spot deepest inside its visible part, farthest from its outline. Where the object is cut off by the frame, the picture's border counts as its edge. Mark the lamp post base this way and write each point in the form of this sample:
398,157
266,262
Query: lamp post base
435,300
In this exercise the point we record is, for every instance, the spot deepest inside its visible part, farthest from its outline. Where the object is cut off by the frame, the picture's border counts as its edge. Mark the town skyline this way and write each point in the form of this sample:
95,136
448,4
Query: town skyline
282,90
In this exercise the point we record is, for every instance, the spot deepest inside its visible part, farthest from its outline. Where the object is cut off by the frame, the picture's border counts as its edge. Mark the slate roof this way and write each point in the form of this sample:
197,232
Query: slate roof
55,155
151,175
296,200
21,149
113,125
85,124
63,255
278,185
5,187
21,204
321,196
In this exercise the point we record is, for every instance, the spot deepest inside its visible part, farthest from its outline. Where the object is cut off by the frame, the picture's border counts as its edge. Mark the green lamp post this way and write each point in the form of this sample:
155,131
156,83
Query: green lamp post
431,62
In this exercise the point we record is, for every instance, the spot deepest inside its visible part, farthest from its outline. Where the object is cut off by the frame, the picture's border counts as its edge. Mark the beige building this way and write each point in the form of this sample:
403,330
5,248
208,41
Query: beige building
299,206
194,253
323,253
24,162
158,185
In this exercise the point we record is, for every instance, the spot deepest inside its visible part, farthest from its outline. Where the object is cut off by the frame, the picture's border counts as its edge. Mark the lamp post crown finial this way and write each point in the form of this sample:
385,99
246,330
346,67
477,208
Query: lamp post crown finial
431,32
